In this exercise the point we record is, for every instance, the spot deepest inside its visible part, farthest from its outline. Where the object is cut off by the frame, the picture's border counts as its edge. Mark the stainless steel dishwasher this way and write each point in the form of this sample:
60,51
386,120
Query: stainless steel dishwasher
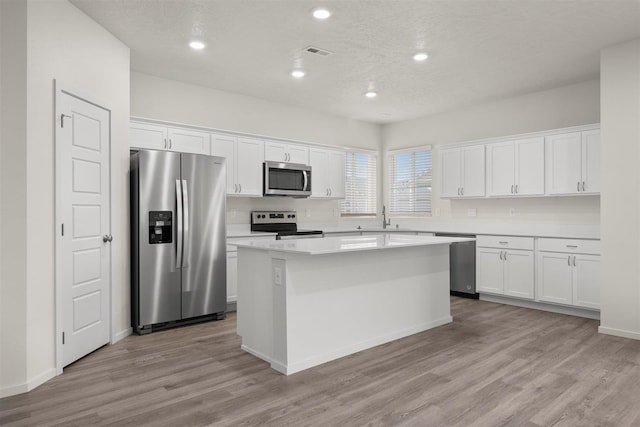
462,266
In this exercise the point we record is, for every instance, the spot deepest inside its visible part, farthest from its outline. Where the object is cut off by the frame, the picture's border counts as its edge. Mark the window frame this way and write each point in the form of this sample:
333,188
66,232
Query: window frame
390,154
376,179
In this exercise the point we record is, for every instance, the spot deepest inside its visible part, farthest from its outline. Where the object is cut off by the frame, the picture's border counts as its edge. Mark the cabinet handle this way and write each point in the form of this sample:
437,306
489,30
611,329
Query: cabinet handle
516,188
578,185
500,255
569,261
503,243
170,144
165,143
331,192
574,260
582,185
511,188
572,246
462,191
239,188
458,191
235,186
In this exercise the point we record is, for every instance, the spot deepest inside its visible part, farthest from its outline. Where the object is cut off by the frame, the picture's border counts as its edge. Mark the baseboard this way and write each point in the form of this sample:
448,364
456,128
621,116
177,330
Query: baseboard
231,306
536,305
28,386
121,335
619,332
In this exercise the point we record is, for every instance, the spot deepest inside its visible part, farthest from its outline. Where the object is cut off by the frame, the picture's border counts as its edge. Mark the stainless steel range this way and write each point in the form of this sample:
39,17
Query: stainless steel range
282,222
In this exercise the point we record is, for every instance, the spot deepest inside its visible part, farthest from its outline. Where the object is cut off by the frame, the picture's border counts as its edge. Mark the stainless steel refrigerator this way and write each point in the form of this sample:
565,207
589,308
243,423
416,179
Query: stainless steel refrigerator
178,247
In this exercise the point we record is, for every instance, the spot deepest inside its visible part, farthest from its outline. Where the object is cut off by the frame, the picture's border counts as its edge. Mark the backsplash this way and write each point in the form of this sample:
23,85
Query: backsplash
309,210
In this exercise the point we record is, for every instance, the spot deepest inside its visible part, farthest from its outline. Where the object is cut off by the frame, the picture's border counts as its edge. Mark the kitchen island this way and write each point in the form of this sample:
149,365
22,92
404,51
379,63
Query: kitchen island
304,302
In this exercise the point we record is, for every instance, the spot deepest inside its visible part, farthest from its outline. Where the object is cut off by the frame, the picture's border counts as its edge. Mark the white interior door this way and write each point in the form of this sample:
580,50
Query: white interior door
83,222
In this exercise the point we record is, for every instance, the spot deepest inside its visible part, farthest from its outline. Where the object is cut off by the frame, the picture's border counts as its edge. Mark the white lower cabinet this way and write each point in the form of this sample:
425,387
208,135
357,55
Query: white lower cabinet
232,264
505,266
565,276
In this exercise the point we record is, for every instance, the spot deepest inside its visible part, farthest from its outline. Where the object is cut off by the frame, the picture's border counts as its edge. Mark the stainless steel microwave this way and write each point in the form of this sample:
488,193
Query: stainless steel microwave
287,179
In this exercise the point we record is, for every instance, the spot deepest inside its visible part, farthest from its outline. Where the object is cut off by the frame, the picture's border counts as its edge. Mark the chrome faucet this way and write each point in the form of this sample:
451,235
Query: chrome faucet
385,223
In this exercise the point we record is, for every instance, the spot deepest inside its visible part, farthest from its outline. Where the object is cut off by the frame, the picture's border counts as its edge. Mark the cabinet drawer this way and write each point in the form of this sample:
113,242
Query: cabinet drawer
570,246
505,242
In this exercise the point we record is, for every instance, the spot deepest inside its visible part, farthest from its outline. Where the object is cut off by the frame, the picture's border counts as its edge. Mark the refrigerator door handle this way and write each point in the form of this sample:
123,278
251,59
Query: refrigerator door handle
179,222
185,227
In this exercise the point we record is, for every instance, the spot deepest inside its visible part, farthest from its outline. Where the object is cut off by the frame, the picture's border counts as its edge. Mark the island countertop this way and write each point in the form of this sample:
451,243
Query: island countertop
340,244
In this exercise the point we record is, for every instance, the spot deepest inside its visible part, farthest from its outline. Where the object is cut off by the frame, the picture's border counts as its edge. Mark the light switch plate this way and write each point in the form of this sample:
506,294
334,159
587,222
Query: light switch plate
277,275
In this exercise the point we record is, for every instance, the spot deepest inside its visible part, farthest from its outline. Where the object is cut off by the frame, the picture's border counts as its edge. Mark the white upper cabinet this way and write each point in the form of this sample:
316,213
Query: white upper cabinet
327,173
154,137
283,152
189,141
147,136
573,163
462,172
516,168
245,157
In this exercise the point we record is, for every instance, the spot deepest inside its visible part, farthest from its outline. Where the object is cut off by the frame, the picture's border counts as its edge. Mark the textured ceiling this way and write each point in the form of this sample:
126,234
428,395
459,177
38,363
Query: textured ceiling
479,50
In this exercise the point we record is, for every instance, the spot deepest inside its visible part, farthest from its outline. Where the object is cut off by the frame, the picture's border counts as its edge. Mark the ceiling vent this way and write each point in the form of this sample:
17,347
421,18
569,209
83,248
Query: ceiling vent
317,51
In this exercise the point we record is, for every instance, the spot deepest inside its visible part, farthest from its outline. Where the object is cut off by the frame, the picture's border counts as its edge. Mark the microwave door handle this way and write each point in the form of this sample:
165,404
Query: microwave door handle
179,223
187,234
306,181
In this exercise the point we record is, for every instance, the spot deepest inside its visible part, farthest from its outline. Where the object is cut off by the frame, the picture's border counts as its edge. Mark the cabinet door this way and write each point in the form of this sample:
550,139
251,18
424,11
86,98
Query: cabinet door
232,276
554,277
450,173
591,161
335,160
489,270
298,154
319,173
275,151
473,172
188,141
586,281
518,274
564,170
529,158
500,169
249,160
147,136
225,146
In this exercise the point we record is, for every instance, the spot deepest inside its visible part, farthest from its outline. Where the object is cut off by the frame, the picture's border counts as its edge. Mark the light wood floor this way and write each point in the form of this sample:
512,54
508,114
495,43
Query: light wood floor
494,365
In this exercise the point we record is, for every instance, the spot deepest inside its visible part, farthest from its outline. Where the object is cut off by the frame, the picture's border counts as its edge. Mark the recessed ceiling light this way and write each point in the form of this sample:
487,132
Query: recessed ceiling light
298,74
371,94
321,14
197,45
420,56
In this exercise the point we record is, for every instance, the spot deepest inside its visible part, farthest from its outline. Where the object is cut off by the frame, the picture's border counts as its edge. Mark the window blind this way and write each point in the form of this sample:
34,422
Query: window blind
410,173
360,184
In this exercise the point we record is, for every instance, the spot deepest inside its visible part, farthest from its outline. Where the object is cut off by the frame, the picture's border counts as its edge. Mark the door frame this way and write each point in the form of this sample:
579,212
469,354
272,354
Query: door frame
61,88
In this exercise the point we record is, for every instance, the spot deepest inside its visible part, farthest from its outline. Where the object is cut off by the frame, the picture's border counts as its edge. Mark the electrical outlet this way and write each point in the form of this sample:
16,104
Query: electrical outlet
472,212
277,275
512,211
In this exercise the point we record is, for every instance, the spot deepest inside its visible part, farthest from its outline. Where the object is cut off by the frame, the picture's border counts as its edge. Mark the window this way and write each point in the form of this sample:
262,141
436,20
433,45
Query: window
360,184
410,181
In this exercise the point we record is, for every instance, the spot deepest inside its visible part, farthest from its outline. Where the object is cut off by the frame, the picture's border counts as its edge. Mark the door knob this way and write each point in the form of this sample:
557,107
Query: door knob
107,238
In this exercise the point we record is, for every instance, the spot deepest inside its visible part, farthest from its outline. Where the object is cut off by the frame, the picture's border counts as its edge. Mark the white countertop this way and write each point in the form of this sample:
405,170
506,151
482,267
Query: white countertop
340,244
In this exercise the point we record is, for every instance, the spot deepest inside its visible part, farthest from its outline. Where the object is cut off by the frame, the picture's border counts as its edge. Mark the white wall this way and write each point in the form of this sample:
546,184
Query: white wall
64,44
566,106
170,100
620,227
13,188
